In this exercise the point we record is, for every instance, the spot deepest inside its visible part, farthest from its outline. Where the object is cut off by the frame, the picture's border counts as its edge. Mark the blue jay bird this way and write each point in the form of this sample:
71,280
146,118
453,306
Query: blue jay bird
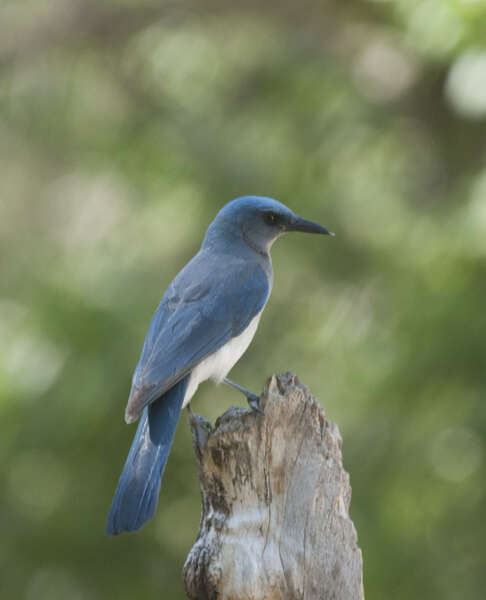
203,325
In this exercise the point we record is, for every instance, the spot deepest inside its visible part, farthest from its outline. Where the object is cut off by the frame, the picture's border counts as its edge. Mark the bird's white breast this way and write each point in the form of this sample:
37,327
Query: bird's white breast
219,364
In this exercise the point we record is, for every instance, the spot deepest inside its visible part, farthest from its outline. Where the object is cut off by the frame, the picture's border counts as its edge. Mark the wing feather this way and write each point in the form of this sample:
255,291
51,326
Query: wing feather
204,307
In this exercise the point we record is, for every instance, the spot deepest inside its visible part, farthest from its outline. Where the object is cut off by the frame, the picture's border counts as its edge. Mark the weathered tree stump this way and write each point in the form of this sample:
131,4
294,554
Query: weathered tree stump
275,500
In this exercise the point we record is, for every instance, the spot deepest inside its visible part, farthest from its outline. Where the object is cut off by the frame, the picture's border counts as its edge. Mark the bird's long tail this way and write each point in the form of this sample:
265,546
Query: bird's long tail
137,493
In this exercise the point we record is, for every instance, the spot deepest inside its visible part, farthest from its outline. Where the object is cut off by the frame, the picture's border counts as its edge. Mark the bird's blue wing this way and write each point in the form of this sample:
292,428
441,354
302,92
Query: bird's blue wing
205,306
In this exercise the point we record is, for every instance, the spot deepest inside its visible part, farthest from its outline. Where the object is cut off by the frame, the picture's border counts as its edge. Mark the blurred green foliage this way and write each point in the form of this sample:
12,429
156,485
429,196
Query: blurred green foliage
124,126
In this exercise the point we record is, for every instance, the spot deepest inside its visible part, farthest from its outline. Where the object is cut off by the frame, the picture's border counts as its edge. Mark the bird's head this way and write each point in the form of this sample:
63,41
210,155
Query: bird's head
260,221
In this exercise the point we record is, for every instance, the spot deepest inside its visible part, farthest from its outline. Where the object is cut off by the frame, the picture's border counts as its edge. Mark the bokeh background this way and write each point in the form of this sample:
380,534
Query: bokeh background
124,126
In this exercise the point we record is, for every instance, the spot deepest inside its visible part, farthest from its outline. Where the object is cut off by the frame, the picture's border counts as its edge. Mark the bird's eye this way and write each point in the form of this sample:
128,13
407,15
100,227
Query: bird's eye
270,218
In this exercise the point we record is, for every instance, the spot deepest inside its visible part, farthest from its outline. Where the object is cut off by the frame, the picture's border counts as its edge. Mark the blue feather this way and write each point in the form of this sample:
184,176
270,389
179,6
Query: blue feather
194,320
137,494
212,301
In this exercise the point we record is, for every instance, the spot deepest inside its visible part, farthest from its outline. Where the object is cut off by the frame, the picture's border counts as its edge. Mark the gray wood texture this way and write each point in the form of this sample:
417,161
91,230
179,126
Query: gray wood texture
275,504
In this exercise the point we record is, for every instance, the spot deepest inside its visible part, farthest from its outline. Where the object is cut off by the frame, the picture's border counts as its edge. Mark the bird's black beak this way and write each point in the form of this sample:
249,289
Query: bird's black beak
299,224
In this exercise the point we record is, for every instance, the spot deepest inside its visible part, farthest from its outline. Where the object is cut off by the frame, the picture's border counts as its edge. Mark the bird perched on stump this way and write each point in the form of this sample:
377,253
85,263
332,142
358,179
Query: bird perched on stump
203,325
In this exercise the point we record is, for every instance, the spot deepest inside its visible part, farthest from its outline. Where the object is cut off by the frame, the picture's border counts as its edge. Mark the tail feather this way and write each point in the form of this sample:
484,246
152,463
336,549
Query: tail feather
137,494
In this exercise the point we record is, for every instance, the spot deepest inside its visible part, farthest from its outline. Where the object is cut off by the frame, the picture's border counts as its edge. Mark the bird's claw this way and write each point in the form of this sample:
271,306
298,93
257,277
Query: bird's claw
253,399
254,403
201,428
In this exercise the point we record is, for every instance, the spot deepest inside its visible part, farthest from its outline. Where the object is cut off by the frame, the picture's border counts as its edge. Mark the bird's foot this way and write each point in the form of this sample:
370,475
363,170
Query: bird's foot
201,428
253,399
254,403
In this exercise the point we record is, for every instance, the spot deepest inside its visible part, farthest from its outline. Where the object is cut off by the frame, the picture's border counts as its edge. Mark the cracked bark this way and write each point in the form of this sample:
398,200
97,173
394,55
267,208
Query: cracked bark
275,500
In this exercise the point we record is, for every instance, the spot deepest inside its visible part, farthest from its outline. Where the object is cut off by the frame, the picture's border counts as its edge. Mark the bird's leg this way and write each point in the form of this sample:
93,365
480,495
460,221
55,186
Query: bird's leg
253,399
